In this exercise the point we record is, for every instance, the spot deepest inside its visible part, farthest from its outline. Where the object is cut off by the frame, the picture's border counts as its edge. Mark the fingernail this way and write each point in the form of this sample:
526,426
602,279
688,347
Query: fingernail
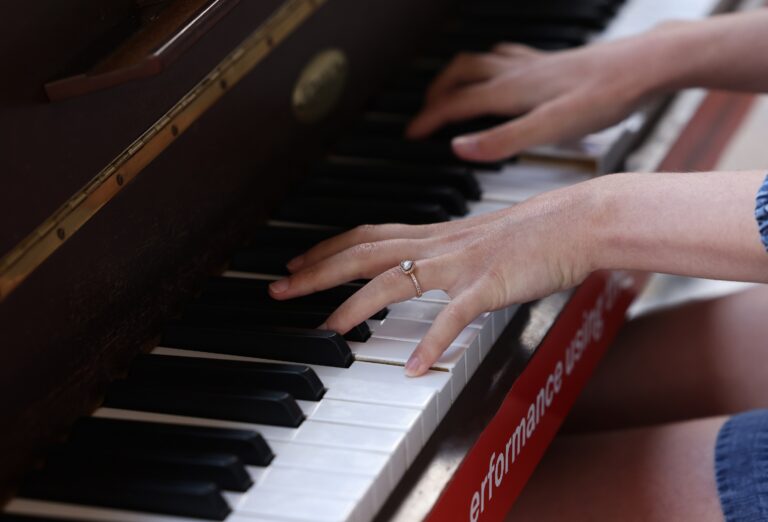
295,263
465,144
413,366
280,286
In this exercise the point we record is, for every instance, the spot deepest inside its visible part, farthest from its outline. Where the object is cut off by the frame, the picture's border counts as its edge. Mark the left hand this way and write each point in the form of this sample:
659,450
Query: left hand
484,263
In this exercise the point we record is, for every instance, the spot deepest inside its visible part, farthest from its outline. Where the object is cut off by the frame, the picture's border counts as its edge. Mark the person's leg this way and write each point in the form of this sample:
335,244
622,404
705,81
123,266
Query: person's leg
702,359
660,473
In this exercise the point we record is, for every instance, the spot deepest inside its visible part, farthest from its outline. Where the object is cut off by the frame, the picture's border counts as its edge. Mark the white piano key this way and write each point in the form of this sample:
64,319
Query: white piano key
478,208
520,181
394,377
375,416
302,456
422,398
288,505
324,433
78,512
393,351
418,310
343,385
435,296
510,311
325,483
409,330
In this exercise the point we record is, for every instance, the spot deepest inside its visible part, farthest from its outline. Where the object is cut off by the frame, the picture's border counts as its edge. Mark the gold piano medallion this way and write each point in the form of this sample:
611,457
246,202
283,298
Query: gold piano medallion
320,85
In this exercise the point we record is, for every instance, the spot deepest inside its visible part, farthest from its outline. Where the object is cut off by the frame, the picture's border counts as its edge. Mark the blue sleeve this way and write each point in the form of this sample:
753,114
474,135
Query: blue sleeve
761,212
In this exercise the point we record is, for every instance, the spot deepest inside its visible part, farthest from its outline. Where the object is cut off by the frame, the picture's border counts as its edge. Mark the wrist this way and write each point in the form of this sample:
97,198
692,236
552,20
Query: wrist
604,227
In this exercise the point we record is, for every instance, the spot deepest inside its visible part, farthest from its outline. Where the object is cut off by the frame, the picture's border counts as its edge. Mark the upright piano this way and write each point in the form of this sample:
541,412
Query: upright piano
165,158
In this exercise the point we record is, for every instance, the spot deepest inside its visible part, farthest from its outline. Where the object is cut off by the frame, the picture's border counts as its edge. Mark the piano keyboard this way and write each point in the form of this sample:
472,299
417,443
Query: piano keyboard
245,412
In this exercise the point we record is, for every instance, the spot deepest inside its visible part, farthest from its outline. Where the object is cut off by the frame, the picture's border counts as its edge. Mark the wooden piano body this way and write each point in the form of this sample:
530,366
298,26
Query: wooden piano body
137,182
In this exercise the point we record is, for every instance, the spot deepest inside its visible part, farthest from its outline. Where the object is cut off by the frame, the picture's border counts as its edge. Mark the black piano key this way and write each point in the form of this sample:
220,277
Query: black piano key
321,347
262,407
12,517
398,102
450,199
245,317
462,179
351,213
97,432
231,376
264,259
227,471
565,12
417,152
292,237
185,498
497,31
244,290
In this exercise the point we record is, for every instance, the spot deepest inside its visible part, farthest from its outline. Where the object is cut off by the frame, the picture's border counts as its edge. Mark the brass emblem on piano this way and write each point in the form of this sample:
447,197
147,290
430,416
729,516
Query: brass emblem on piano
320,85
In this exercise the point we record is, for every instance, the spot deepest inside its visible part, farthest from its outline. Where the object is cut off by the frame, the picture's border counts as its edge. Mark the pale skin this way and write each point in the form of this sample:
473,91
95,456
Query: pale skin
697,362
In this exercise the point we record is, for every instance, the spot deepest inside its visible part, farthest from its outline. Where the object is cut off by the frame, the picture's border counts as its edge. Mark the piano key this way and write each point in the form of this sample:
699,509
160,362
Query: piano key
290,237
171,497
351,169
266,407
397,351
248,290
93,432
406,151
363,389
451,200
245,290
255,316
493,32
516,183
271,343
310,432
350,213
375,416
565,12
264,259
478,208
227,471
288,505
319,458
33,510
235,376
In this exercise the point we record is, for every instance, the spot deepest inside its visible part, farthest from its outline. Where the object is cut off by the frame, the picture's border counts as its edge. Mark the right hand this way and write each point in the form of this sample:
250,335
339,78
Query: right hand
557,95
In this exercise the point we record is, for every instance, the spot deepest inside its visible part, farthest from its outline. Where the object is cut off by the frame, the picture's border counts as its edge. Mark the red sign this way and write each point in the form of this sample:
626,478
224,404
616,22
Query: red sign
495,470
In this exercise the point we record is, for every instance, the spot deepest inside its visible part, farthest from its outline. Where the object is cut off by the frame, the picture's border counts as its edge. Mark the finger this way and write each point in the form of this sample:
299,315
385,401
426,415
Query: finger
389,287
360,261
360,234
552,122
465,68
513,50
447,326
460,104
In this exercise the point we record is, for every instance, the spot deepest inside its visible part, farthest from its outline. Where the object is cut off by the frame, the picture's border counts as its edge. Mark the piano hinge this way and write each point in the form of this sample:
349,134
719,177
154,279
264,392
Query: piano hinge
33,250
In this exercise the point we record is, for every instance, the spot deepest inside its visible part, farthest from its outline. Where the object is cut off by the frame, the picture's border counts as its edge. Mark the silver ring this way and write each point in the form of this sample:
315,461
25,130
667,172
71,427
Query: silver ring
408,267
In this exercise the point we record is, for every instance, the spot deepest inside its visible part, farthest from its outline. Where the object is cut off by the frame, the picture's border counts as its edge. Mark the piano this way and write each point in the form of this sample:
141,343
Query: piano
164,159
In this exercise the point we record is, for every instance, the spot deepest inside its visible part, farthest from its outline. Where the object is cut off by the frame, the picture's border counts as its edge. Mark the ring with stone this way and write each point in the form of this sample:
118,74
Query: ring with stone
408,267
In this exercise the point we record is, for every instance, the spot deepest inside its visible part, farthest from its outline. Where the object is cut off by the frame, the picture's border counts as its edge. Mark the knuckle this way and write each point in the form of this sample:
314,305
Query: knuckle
361,232
456,314
363,250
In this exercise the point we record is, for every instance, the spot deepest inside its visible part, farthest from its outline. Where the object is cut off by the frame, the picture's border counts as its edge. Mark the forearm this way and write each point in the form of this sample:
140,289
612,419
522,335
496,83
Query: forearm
722,52
698,224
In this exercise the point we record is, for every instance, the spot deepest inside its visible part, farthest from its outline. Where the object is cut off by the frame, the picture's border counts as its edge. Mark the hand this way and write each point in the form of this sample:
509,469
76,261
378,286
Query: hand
483,263
557,95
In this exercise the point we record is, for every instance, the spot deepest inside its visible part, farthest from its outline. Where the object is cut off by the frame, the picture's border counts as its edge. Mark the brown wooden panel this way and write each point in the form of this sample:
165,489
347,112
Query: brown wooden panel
72,325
